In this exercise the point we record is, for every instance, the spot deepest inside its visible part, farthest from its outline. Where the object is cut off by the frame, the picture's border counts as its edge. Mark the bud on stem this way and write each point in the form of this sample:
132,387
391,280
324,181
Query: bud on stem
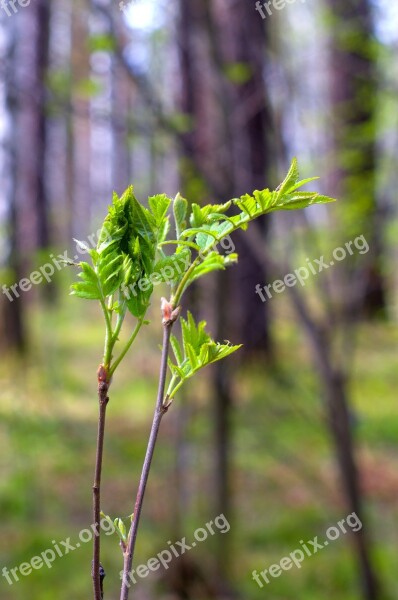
169,315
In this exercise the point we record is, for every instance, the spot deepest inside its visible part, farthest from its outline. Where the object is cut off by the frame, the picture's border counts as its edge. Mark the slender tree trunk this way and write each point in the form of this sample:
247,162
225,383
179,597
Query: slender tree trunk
341,428
120,154
13,310
240,58
334,384
219,107
80,128
354,98
42,61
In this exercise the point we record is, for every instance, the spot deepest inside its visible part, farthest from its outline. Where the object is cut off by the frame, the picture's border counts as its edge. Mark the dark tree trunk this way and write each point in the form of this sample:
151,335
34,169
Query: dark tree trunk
43,15
341,428
12,310
226,154
340,422
354,97
120,102
32,54
242,53
223,438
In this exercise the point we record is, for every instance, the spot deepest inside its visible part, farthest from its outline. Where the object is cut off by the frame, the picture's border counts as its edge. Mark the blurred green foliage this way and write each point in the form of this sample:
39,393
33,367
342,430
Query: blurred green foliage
285,484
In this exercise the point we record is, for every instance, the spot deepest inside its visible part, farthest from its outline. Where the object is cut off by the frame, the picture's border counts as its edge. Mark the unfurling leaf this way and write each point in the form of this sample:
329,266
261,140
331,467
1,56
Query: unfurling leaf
199,350
180,208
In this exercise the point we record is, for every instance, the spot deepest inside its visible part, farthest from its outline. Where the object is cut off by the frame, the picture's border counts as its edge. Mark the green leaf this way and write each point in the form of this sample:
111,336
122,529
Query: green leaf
248,205
201,216
180,208
264,199
199,350
137,300
172,267
213,262
108,519
89,287
181,243
192,356
219,351
85,290
284,198
207,238
120,529
302,182
142,221
88,274
192,231
290,180
302,200
196,218
175,344
196,334
159,206
163,231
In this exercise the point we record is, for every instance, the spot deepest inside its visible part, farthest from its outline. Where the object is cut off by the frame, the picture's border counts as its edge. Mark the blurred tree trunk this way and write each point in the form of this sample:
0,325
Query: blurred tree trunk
354,97
238,41
32,56
205,173
228,108
334,380
342,432
120,103
43,16
33,51
81,127
12,311
230,116
240,62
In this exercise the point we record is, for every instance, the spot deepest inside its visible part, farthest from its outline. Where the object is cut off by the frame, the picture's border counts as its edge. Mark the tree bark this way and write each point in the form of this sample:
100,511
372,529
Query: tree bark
13,311
354,99
334,383
43,16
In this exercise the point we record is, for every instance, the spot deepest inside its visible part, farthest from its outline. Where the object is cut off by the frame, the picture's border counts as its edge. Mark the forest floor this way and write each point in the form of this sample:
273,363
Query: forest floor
285,487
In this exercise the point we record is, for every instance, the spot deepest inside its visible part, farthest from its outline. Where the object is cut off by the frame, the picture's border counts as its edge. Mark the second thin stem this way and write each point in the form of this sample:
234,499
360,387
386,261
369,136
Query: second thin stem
160,410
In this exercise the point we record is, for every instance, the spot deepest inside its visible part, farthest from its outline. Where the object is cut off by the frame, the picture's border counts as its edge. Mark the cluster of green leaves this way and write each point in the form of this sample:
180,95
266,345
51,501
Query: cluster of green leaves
198,350
118,526
130,257
125,253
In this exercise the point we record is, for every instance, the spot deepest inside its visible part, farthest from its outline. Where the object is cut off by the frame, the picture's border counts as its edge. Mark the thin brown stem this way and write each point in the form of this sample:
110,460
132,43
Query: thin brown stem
160,409
97,572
